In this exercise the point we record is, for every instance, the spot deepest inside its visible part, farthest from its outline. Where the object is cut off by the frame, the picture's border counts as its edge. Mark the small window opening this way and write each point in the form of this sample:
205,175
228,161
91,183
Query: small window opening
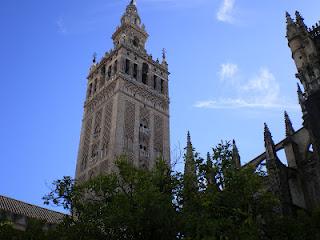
127,66
154,82
162,86
135,71
109,71
103,71
95,86
145,70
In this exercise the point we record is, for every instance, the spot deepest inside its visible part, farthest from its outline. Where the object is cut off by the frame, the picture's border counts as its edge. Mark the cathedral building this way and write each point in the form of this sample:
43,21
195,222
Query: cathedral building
126,110
297,184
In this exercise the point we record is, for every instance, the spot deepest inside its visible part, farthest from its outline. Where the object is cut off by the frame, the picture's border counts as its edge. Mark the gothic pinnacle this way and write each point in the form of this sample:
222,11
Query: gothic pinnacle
190,165
289,128
268,143
188,138
267,135
94,58
235,155
299,19
298,15
209,161
164,54
289,19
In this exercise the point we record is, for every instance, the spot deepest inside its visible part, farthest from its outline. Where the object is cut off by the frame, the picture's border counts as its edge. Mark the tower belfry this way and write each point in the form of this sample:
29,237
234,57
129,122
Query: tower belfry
126,110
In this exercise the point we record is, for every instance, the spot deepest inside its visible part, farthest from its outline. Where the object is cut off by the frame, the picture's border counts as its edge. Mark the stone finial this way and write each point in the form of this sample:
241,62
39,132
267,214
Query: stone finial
289,128
289,19
209,161
188,138
190,175
301,98
94,58
133,2
235,155
164,52
267,135
269,144
299,19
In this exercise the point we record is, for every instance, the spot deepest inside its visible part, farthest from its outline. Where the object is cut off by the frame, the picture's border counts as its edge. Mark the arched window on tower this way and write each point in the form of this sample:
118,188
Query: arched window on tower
127,67
155,82
162,86
103,76
109,71
135,71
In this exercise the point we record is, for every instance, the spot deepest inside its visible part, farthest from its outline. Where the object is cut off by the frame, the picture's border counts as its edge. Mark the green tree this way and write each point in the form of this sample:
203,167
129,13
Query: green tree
213,200
132,204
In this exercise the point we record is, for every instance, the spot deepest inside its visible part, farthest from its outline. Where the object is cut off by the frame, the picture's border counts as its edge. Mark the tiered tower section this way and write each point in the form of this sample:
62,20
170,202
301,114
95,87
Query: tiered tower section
126,110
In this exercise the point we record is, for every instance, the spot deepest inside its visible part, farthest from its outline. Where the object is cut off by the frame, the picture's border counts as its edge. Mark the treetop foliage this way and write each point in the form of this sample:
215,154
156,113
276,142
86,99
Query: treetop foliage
213,200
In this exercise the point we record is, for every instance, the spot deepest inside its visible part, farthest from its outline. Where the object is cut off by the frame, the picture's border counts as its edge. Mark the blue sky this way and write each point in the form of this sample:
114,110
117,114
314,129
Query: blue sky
231,71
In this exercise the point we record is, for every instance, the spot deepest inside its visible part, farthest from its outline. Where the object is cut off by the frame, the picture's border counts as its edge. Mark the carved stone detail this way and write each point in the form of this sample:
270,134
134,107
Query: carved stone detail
86,144
129,123
102,96
158,135
142,91
144,137
107,127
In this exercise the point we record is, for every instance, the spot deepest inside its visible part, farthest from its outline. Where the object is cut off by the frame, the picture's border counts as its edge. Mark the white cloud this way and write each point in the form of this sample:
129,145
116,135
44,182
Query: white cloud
225,11
261,91
228,71
61,26
176,3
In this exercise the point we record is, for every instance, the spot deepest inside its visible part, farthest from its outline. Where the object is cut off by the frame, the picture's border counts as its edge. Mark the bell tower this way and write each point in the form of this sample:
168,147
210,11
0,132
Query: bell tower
126,110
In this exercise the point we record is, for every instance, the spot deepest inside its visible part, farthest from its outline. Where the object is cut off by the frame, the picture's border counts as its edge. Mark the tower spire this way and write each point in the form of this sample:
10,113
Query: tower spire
289,128
133,2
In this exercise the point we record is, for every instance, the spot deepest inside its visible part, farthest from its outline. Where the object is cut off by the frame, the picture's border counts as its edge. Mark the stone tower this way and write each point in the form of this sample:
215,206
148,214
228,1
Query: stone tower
126,110
305,46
